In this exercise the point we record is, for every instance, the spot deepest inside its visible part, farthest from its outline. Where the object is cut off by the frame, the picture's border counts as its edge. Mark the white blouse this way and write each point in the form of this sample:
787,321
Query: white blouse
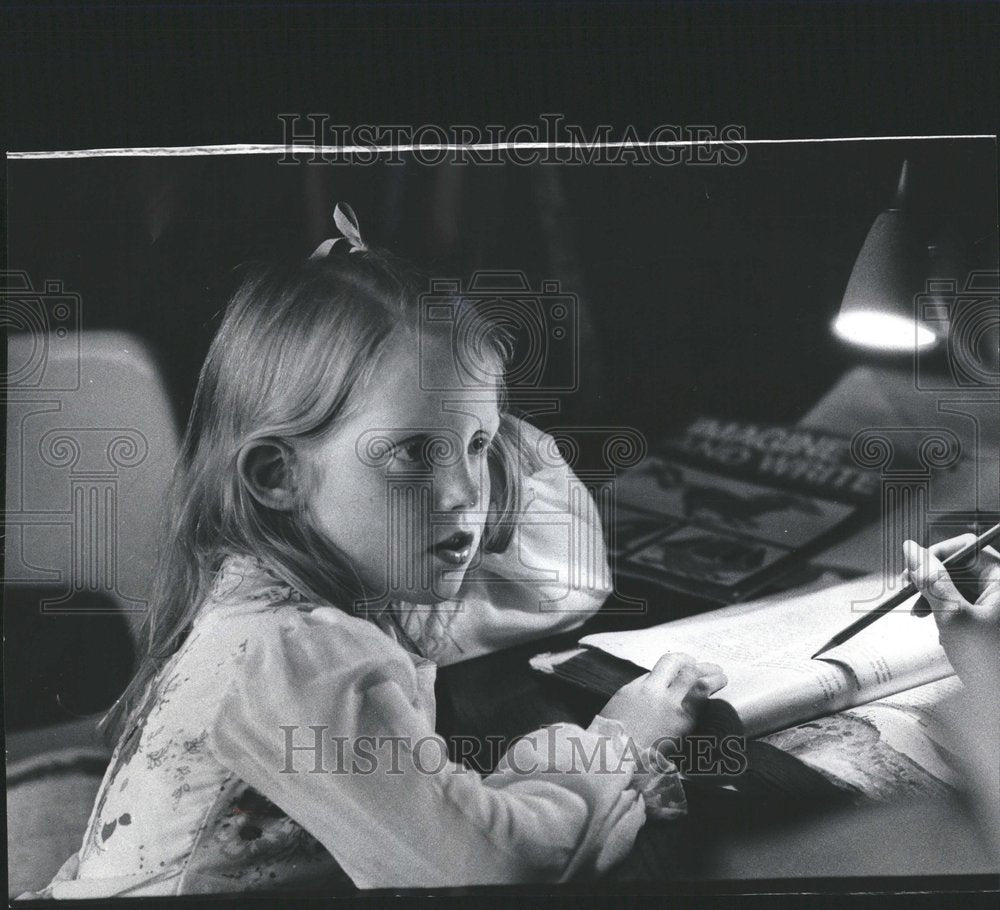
288,744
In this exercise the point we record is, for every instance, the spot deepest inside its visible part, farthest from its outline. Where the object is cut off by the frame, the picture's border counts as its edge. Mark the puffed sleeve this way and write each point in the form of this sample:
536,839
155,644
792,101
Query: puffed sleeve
553,575
326,718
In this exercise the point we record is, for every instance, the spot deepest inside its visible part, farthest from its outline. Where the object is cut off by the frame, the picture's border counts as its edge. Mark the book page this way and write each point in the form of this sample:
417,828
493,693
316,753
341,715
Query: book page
897,745
765,646
914,720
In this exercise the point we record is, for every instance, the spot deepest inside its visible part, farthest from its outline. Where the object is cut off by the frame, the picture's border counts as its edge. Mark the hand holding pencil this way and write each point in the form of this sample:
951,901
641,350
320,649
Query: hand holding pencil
961,557
969,630
966,609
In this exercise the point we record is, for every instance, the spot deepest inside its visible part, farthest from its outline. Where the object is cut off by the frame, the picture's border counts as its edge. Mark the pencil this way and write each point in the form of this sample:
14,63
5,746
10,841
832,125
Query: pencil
966,554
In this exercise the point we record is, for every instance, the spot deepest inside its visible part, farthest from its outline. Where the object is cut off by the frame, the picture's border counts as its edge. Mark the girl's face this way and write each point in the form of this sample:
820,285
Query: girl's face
402,488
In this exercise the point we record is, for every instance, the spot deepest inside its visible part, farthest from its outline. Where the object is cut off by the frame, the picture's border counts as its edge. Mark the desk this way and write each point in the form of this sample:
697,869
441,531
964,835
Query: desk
753,835
758,836
888,400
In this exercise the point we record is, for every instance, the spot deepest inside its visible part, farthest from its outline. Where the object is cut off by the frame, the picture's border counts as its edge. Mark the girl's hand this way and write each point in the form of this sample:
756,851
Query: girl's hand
666,702
969,630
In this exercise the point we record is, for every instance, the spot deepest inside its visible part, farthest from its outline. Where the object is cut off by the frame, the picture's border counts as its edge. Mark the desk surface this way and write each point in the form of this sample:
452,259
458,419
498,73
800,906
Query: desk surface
726,835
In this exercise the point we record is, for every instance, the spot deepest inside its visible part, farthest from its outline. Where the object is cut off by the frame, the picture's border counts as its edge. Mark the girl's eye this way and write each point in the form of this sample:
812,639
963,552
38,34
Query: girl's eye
480,443
412,450
421,449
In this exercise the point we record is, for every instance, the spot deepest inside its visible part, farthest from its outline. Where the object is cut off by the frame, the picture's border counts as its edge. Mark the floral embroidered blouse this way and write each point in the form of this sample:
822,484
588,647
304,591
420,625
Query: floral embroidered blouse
291,745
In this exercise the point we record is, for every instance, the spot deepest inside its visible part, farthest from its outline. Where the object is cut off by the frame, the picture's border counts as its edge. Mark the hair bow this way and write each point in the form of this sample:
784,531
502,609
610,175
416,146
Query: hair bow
347,223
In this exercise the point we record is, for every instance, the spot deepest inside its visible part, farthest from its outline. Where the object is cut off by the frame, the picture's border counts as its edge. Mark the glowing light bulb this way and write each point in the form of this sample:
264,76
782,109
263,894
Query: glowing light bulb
885,331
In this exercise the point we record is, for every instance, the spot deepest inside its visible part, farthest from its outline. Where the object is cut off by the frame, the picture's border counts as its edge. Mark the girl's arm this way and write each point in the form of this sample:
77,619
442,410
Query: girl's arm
330,720
553,575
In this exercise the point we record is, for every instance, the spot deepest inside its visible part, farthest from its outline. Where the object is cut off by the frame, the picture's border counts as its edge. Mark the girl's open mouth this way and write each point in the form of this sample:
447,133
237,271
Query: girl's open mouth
455,549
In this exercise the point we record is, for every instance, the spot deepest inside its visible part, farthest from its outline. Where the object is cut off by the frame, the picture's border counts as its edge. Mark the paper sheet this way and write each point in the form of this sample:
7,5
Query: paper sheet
889,748
764,649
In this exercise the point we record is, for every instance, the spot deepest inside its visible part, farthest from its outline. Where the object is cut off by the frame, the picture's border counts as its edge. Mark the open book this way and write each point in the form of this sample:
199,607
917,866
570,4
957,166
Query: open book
893,666
725,508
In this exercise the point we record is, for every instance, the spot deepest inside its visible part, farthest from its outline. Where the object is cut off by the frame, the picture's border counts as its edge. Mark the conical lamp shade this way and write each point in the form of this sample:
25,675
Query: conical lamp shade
878,309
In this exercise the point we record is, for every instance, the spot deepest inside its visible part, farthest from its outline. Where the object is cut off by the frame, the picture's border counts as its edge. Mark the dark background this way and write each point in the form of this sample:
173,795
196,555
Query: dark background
99,74
701,289
716,271
729,276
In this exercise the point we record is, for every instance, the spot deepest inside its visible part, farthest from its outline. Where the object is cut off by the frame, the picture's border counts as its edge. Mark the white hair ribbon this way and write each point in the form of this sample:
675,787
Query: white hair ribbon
347,223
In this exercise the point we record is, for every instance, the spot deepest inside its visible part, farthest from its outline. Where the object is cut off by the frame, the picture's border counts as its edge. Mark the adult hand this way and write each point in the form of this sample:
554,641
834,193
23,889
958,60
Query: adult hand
968,627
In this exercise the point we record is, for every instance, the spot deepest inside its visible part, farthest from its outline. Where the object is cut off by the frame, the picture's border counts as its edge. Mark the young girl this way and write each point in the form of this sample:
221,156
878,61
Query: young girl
353,500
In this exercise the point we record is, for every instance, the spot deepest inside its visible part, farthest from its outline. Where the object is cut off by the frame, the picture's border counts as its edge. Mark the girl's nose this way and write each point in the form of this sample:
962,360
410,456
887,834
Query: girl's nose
459,485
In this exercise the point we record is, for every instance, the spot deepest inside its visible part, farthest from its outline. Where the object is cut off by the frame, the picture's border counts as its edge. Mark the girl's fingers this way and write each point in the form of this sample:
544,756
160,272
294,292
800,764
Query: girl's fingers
711,683
702,679
687,677
933,580
700,690
680,672
665,670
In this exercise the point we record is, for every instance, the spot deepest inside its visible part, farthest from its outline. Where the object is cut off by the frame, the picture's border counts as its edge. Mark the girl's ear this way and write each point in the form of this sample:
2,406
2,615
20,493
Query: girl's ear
267,468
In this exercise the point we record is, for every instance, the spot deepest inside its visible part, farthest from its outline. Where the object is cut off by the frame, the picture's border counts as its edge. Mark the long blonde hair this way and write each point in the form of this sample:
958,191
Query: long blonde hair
296,346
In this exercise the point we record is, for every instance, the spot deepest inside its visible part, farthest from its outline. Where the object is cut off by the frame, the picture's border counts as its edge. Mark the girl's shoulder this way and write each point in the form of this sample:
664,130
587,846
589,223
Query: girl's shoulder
254,616
258,657
245,581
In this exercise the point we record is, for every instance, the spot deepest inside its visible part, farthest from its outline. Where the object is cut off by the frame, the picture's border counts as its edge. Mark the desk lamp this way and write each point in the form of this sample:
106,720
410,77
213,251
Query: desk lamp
878,309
